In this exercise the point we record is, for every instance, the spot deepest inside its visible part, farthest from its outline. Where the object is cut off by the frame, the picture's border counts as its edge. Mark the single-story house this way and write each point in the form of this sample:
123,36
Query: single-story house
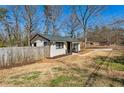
58,45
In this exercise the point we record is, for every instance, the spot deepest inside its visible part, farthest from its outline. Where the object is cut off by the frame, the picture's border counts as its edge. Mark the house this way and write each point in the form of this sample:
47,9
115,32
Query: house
58,45
104,43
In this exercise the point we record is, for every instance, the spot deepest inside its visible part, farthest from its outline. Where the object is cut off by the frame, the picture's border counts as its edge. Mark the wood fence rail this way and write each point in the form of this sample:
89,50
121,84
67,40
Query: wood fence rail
12,56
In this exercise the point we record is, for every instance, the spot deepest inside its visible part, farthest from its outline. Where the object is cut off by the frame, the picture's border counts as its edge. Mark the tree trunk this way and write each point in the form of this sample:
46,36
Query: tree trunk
85,42
85,38
28,38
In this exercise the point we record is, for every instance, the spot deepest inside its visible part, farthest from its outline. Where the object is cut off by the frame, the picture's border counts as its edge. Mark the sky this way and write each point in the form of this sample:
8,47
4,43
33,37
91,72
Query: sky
107,16
110,11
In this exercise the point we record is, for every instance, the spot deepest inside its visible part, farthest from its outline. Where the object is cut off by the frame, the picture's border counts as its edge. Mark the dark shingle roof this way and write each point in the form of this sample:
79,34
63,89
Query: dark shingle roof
58,38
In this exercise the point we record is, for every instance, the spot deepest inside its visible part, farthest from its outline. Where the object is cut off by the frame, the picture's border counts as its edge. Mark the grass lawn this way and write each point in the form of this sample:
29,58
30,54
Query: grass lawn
68,71
26,79
115,63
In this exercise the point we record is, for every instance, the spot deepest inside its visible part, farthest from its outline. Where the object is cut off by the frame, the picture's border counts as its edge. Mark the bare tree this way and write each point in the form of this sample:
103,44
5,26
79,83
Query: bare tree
52,15
30,19
16,24
47,20
72,23
3,13
84,15
118,31
6,25
8,30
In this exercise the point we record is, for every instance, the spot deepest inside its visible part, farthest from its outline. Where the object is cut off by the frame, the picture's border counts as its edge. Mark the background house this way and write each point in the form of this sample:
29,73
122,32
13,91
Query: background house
57,45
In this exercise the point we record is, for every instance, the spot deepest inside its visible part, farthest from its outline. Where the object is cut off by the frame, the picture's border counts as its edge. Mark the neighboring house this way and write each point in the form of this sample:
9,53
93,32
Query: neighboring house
57,45
104,43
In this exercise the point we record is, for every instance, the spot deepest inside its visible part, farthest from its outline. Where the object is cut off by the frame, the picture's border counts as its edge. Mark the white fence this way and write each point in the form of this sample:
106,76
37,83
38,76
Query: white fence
12,56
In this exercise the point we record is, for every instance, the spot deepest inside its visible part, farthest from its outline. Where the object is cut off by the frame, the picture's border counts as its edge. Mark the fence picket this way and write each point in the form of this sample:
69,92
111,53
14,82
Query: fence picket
21,55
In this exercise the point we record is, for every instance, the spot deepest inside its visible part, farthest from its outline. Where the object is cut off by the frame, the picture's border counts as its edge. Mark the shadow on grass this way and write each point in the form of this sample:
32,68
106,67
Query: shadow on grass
103,81
92,78
74,67
115,59
116,63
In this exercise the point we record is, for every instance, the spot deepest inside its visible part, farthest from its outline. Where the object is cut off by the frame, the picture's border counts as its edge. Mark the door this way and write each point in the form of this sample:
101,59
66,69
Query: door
69,47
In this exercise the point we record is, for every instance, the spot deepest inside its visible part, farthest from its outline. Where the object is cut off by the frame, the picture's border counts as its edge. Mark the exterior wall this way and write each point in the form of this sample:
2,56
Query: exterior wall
32,45
39,43
81,45
77,46
57,52
53,51
38,38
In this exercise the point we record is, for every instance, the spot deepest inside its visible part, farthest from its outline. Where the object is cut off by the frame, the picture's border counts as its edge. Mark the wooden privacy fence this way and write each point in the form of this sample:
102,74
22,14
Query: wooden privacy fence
13,56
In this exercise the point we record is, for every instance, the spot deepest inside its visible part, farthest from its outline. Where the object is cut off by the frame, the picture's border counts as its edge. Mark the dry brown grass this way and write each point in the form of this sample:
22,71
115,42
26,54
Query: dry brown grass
72,70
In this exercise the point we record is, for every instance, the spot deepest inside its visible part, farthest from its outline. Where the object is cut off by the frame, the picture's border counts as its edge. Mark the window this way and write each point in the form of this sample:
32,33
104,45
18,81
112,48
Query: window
45,43
35,44
59,45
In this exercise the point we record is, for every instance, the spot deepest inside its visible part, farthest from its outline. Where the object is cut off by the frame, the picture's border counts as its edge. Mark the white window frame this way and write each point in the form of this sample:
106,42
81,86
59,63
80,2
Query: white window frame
59,45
